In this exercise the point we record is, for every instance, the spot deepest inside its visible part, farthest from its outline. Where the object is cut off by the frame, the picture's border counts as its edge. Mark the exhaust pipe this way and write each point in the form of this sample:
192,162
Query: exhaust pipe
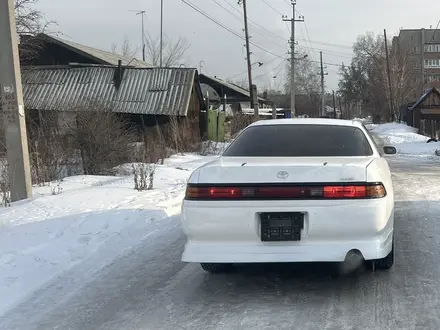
353,260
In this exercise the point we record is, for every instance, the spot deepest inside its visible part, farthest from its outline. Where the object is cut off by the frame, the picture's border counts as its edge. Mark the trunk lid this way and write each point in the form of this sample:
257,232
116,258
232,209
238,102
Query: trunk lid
285,170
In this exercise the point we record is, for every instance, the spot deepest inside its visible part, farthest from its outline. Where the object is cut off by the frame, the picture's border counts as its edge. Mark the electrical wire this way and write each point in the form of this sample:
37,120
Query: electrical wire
252,23
242,73
228,29
278,67
273,8
242,21
331,53
212,19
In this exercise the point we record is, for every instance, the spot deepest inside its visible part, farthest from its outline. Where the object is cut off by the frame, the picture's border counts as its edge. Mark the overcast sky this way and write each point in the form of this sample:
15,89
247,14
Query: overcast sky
330,26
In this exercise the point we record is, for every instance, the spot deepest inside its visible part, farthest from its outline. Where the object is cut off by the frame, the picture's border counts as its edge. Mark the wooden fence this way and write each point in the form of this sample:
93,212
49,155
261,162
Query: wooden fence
430,128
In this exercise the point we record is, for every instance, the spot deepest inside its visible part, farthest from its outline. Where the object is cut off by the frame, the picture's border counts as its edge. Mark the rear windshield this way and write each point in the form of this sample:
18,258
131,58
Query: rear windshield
300,141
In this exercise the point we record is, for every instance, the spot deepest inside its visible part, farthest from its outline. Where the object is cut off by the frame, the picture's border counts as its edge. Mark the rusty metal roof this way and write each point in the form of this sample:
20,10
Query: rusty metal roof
150,91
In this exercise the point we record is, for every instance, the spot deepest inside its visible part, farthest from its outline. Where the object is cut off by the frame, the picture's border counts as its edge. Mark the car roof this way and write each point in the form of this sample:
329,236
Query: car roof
308,121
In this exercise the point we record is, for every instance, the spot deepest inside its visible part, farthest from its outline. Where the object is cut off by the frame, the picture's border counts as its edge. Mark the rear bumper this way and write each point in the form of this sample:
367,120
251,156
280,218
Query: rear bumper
227,253
227,232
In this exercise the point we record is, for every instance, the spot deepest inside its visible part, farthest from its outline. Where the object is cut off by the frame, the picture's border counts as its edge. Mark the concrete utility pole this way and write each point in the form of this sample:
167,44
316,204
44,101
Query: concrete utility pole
389,76
322,87
292,58
201,66
161,34
249,65
11,105
340,107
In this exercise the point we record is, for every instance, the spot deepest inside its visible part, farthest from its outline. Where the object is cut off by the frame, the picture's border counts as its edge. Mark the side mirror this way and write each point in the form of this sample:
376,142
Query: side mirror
388,150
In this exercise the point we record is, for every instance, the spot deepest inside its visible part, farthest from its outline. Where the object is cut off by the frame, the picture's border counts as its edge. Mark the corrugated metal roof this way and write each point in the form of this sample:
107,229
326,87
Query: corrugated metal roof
101,55
142,91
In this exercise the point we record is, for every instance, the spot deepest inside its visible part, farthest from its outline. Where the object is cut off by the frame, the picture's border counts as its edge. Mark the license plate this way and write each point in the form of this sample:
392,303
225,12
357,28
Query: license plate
281,226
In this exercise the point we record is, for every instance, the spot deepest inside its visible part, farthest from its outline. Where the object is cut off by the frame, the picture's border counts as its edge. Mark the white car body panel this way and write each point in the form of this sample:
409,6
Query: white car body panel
228,231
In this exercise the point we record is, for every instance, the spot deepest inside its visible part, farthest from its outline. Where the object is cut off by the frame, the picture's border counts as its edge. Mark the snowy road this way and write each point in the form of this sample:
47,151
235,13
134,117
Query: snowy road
149,288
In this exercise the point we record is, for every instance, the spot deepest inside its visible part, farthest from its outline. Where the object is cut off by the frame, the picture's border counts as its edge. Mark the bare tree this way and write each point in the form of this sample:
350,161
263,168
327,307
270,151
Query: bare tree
174,51
125,49
30,22
404,81
307,84
366,79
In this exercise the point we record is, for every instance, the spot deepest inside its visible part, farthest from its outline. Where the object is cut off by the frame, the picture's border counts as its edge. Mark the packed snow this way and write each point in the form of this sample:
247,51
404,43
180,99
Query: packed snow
67,222
406,139
70,222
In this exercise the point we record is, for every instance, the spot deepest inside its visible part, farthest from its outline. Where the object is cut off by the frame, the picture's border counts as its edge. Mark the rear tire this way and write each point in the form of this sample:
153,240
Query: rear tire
216,268
384,263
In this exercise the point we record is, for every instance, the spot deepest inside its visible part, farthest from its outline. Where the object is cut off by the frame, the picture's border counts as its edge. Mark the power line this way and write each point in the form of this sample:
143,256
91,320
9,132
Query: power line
328,44
226,28
240,74
316,50
326,63
256,24
241,20
278,67
307,33
273,8
212,19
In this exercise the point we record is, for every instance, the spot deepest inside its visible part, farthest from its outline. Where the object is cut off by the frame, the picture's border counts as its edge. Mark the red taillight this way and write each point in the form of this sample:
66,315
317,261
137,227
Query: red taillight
285,192
345,192
213,193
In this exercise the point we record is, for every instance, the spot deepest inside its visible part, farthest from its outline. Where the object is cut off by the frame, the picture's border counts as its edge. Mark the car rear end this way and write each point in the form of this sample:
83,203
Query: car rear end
290,193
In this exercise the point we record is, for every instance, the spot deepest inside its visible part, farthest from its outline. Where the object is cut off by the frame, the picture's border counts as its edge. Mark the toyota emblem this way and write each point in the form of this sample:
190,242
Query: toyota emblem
282,174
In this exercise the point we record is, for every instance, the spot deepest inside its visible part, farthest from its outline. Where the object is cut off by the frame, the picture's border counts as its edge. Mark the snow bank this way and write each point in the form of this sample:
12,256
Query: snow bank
405,138
94,218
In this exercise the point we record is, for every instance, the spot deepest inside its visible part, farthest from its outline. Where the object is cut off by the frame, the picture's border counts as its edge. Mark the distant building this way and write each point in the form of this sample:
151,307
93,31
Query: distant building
236,96
425,113
424,47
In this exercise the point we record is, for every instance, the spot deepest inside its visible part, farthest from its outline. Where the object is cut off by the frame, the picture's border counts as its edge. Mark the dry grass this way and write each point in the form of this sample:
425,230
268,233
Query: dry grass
5,186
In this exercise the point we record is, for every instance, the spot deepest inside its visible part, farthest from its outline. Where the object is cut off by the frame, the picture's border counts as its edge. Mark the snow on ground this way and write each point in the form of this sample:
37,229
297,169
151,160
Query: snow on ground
48,234
405,139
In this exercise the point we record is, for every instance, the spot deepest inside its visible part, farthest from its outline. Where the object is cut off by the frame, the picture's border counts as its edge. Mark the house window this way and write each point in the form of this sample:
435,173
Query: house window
432,48
432,78
432,63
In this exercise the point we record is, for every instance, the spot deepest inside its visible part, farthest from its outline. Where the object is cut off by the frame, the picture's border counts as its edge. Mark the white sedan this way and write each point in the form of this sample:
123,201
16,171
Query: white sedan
292,190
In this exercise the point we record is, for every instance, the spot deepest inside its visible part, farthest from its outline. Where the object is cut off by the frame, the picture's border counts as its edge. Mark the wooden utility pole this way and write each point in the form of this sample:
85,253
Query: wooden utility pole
292,57
248,59
334,105
11,105
389,76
